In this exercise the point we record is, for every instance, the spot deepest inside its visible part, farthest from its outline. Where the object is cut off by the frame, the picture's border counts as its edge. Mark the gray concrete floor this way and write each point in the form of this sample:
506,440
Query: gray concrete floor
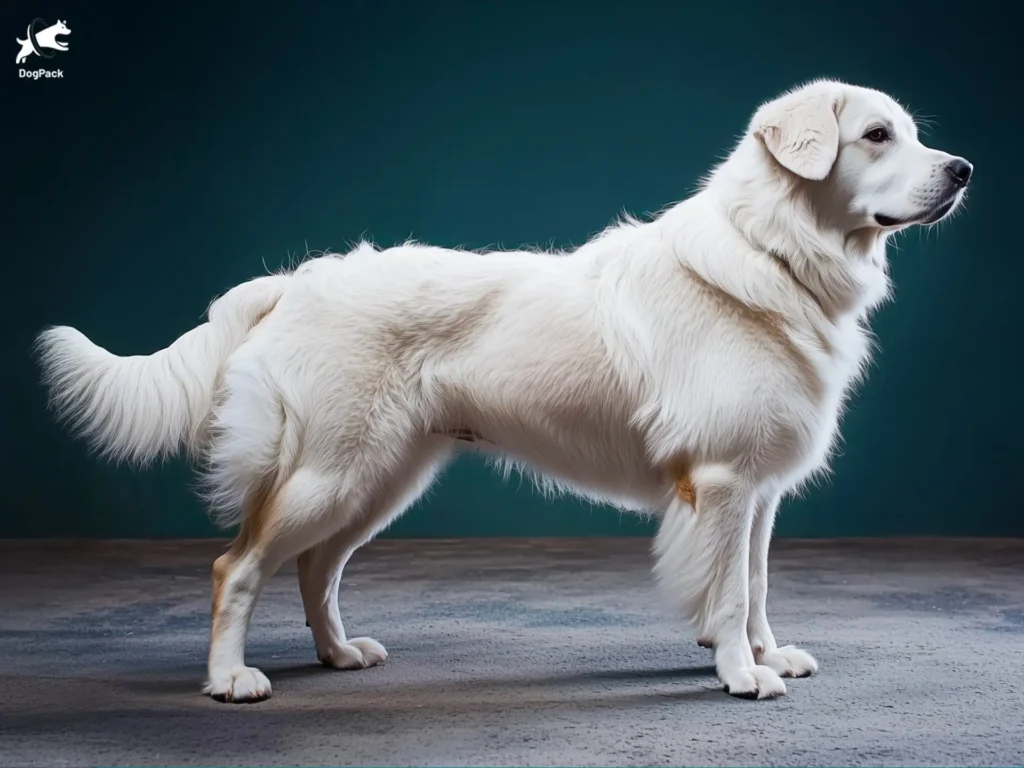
513,652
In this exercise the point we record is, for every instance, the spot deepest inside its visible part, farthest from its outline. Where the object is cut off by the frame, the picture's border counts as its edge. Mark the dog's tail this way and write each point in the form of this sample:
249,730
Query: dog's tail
141,408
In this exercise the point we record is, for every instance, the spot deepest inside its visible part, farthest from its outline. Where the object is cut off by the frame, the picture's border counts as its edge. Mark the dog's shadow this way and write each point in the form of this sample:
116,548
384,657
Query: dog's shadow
597,688
299,672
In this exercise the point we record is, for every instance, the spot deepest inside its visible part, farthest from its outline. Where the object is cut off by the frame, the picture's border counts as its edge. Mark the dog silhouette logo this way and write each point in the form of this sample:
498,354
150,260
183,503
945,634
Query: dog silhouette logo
42,40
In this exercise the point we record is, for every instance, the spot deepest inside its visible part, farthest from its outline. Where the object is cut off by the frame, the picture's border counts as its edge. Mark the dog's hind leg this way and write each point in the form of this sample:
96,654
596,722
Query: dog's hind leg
321,567
276,527
787,661
702,561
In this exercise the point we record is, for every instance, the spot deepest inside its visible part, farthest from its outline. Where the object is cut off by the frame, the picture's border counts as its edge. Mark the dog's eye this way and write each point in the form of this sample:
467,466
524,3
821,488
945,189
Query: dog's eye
877,135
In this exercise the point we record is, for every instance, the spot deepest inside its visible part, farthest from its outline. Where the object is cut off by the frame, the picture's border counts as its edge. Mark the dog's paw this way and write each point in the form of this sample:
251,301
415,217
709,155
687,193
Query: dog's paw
757,682
357,653
241,685
788,661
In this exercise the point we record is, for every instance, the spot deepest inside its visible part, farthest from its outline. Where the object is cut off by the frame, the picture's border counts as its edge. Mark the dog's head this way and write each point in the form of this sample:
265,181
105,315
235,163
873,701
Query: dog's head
60,28
859,151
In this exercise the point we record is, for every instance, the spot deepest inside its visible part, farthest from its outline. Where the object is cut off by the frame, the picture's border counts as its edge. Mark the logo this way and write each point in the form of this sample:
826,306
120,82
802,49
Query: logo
41,40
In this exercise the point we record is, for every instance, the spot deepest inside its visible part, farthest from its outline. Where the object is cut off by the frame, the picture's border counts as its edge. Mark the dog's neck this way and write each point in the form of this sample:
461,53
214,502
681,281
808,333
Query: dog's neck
845,272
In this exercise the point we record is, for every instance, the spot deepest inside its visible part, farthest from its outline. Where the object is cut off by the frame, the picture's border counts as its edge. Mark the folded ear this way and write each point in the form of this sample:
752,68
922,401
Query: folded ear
801,131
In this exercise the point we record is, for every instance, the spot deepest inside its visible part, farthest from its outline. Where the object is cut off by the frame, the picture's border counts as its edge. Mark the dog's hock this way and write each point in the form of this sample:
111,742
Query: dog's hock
801,131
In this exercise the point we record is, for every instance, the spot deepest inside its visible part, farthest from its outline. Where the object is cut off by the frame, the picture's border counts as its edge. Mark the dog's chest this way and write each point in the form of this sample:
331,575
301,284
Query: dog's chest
849,350
839,371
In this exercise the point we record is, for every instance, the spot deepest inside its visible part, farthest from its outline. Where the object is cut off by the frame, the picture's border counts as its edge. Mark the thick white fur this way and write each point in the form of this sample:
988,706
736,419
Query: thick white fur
712,346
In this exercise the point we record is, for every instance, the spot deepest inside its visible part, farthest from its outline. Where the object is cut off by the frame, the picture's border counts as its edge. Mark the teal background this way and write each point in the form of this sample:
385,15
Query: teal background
188,146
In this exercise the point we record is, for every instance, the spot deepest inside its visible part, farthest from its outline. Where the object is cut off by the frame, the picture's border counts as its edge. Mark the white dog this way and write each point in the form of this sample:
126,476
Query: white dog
694,366
46,38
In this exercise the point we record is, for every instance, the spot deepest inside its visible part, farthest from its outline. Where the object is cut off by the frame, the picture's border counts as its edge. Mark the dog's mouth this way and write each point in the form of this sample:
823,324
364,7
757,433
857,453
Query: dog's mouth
930,216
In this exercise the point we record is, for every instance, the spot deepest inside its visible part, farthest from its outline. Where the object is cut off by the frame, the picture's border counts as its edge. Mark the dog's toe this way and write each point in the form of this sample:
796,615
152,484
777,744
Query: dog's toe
758,682
357,653
788,661
241,685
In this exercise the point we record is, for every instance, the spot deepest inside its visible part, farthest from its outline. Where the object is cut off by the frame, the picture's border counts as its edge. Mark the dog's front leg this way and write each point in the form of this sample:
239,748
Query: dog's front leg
702,555
788,661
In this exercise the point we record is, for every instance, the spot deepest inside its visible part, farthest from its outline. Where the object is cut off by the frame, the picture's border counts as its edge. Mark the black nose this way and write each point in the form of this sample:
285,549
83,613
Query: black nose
960,172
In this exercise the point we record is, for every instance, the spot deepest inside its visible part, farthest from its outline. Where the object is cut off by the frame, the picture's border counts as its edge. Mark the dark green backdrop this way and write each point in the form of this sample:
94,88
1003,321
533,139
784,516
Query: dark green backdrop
187,146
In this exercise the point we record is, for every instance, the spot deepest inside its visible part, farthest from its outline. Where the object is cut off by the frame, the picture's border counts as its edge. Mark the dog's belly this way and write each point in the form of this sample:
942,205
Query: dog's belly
544,397
598,465
568,426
